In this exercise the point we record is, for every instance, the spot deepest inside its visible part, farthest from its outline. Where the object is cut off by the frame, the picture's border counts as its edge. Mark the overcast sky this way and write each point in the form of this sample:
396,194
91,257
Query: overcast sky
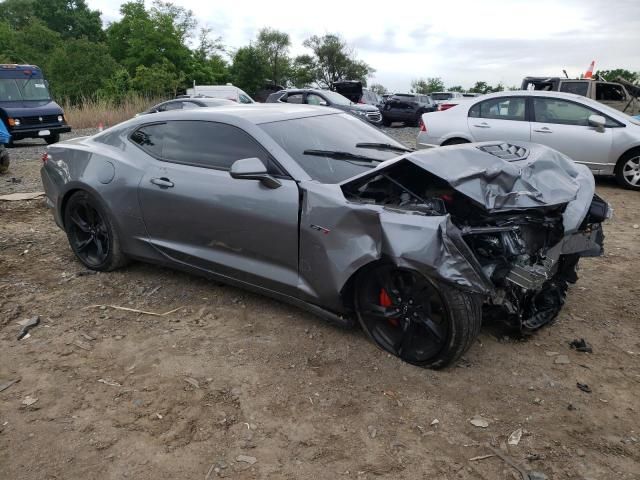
461,41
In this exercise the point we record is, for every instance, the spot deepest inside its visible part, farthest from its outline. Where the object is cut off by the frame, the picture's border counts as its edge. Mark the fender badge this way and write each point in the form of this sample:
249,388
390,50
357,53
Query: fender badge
326,231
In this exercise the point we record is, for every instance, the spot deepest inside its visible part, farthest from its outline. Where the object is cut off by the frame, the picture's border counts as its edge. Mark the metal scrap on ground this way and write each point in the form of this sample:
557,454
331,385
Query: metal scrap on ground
16,197
134,310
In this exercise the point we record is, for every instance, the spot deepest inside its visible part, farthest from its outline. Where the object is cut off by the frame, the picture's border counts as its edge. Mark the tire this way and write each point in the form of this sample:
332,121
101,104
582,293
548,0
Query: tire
431,327
455,141
51,139
4,160
628,170
91,233
386,122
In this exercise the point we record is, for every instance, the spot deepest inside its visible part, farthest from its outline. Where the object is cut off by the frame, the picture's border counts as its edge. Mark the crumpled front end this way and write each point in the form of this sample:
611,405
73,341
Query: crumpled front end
505,222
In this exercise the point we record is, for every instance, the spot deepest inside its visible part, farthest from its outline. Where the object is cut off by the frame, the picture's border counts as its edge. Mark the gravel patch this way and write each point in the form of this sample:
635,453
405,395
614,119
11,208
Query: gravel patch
405,135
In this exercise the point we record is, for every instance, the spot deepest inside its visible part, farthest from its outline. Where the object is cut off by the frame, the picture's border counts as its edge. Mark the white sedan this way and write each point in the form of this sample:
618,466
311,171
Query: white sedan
604,139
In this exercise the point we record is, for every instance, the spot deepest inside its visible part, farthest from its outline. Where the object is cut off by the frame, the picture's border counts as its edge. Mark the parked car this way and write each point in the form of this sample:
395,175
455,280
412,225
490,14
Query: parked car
187,103
602,138
26,107
370,98
356,93
316,208
444,97
406,108
327,98
227,91
612,94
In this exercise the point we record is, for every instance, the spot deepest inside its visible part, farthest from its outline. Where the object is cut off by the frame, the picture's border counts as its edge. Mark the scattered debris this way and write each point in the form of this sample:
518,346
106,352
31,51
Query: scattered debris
86,336
81,345
153,291
562,360
134,310
551,354
111,383
192,381
581,346
435,422
372,431
246,459
481,457
584,387
28,325
159,416
537,476
514,438
6,384
29,400
523,473
636,226
580,452
478,421
570,407
16,197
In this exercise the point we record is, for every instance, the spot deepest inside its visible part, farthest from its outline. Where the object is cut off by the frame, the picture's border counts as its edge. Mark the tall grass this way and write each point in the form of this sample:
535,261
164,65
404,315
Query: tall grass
90,112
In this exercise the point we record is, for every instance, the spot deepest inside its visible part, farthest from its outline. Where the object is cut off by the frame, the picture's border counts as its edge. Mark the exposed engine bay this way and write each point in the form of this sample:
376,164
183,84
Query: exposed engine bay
526,253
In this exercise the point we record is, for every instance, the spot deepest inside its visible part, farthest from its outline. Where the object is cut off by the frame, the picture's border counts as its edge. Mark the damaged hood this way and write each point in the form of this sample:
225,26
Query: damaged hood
506,177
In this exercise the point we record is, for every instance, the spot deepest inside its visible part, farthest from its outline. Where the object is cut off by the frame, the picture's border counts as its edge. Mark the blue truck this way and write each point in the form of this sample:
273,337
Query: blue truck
5,139
26,107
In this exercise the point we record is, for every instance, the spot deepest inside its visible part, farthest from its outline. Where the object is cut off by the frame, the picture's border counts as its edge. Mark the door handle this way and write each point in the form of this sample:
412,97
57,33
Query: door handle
543,130
482,125
163,182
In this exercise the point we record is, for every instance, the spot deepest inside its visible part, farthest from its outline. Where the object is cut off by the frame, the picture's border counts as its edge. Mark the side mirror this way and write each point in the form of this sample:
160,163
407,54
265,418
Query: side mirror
253,169
323,103
597,121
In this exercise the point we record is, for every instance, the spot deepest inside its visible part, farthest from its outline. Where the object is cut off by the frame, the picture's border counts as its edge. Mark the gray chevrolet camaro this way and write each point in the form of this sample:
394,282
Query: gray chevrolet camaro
316,208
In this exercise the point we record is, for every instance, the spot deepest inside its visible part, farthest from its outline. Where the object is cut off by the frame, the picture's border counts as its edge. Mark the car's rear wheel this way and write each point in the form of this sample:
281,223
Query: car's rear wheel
92,235
4,160
422,321
628,170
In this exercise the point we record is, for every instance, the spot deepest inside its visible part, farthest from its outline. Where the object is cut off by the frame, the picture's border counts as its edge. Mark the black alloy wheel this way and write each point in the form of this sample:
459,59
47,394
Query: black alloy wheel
404,313
91,234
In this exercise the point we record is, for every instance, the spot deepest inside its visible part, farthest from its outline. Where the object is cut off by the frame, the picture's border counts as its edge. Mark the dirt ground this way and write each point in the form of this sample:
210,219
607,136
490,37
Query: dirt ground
235,385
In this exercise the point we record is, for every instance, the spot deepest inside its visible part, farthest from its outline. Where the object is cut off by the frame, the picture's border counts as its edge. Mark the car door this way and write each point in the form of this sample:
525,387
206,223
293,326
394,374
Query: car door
500,118
564,125
197,214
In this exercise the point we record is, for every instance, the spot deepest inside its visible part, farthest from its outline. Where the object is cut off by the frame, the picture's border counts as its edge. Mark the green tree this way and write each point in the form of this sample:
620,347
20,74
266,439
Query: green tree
481,87
303,71
249,69
335,60
79,68
157,80
275,49
612,75
456,88
17,13
70,18
378,88
428,85
208,67
32,45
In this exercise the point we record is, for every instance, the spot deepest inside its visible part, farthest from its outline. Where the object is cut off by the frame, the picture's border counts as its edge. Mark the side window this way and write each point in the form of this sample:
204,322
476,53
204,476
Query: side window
170,106
549,110
293,98
244,98
189,105
503,108
609,91
579,88
211,145
313,99
150,138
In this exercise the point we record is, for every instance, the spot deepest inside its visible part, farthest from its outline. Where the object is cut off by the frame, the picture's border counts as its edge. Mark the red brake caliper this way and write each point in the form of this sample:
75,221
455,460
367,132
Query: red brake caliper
385,301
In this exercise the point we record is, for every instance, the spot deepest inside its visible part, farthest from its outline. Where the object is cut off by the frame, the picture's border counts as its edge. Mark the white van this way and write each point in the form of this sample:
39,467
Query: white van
221,91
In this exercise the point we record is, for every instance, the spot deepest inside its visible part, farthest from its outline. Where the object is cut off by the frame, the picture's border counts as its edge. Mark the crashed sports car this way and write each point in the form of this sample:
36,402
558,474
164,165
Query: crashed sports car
314,207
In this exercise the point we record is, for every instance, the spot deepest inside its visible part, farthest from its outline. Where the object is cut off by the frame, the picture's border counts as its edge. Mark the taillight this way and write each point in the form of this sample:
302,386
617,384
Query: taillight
45,157
423,127
446,106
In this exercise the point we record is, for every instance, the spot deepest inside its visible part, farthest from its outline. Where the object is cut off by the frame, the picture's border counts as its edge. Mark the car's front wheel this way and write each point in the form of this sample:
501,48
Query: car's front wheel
91,233
51,139
628,170
420,320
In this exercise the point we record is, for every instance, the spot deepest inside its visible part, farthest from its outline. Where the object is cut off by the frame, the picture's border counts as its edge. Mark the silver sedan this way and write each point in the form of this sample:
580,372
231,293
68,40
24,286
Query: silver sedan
604,139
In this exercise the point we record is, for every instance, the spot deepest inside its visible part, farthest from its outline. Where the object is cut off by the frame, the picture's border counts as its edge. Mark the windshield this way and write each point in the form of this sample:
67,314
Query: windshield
441,96
336,98
336,133
17,89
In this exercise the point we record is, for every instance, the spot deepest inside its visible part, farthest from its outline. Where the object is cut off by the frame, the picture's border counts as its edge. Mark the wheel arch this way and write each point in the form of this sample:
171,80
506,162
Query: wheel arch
455,140
628,151
348,289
